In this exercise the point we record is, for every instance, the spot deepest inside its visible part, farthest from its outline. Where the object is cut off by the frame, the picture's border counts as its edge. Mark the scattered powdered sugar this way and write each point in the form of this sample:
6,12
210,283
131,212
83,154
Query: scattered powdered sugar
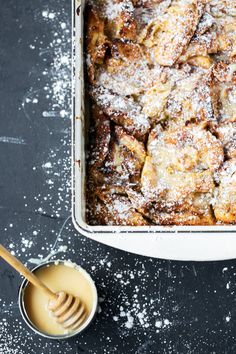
12,140
55,94
49,97
49,15
134,312
47,165
56,168
9,333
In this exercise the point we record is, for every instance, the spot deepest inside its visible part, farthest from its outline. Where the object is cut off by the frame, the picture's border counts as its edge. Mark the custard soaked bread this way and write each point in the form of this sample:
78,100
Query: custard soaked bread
162,85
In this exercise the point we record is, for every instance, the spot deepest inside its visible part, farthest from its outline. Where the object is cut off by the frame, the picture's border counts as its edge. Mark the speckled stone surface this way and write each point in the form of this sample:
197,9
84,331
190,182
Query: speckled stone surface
145,305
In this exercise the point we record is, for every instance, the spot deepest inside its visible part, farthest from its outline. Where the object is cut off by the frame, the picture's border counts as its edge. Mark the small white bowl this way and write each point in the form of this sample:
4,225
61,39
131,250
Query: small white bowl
64,336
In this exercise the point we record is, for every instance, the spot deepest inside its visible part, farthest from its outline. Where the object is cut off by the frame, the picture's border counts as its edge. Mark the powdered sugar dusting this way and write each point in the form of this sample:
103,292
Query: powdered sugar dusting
114,9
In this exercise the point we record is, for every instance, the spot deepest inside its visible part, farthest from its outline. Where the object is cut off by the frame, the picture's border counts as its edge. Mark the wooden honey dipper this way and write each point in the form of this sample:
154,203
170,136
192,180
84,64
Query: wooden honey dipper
67,309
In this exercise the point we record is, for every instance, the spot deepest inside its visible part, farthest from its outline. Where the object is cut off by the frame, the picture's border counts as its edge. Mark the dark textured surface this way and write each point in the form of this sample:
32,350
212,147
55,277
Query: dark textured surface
185,307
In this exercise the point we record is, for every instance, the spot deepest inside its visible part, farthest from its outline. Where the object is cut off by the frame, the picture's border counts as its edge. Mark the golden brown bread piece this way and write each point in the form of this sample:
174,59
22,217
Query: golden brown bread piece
122,110
125,159
204,42
154,101
227,135
99,146
226,86
192,100
123,54
222,8
178,172
128,71
120,20
170,34
114,160
112,207
96,42
225,200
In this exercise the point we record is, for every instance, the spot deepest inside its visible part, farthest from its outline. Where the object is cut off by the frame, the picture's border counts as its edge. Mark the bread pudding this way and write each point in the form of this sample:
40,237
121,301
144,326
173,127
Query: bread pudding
161,81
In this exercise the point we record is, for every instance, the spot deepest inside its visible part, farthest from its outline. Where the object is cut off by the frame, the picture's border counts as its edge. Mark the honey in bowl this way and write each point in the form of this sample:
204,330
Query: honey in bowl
58,276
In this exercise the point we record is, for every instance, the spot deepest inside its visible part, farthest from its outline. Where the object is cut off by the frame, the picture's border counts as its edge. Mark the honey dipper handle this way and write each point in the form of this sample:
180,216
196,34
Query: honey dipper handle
19,267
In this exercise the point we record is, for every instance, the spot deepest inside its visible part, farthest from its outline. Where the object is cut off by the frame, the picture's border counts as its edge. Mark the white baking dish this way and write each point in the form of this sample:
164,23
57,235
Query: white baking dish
199,243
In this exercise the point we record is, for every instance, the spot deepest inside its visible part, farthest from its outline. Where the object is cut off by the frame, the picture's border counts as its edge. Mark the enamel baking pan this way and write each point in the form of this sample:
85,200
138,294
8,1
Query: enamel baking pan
198,243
